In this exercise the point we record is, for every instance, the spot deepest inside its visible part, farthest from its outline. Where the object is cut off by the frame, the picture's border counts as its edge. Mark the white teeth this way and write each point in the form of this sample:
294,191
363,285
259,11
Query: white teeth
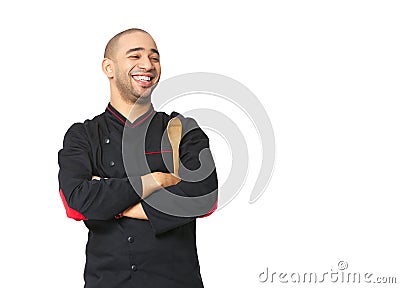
142,78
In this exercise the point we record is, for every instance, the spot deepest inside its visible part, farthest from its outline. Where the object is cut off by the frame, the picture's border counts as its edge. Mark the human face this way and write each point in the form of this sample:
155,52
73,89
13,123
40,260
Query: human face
137,67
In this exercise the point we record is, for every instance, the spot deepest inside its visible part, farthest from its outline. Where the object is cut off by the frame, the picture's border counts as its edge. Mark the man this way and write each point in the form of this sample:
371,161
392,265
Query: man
131,243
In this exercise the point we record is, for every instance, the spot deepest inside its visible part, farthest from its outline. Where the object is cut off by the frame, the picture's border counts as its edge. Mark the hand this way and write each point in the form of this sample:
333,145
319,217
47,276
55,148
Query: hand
166,179
96,178
136,211
156,180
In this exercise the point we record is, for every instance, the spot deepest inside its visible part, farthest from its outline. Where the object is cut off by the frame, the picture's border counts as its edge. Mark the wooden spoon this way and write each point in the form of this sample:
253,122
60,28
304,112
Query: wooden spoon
174,130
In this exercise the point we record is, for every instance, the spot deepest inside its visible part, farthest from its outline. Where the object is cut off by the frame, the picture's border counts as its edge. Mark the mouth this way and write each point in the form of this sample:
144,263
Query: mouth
144,80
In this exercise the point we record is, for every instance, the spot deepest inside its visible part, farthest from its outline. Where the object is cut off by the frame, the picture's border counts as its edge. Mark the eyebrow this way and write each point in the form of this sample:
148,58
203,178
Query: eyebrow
142,49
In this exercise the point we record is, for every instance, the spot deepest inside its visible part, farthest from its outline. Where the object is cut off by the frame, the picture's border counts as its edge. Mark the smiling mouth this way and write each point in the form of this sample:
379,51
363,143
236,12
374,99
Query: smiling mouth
143,80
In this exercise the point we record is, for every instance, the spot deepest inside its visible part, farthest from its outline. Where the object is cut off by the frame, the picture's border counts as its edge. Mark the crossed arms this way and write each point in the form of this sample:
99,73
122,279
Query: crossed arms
150,183
88,197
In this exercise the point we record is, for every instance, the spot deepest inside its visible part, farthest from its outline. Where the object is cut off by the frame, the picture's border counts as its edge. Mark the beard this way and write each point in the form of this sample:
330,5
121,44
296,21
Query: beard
128,92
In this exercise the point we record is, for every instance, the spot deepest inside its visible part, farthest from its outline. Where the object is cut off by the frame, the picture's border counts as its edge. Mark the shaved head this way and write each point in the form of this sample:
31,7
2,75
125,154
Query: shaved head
132,64
113,43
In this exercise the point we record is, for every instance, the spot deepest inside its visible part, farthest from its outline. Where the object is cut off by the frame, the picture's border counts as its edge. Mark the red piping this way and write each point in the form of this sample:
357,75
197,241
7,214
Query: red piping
148,115
127,124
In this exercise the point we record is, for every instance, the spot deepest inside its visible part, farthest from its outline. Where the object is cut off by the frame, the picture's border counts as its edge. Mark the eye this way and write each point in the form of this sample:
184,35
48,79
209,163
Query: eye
155,59
133,57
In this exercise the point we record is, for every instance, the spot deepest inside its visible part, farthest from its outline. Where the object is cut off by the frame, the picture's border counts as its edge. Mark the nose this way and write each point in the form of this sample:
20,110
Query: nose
145,64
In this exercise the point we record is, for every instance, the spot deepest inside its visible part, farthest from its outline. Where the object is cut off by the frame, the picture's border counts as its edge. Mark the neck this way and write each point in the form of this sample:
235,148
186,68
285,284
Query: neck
130,111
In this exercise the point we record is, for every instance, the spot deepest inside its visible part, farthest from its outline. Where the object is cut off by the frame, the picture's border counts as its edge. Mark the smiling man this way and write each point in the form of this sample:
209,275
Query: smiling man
130,242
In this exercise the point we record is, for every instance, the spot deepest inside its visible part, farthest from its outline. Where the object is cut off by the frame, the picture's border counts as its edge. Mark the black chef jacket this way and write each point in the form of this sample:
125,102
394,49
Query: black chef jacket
125,252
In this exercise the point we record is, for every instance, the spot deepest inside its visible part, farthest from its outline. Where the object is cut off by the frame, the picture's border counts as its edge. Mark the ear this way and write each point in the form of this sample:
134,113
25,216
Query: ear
108,67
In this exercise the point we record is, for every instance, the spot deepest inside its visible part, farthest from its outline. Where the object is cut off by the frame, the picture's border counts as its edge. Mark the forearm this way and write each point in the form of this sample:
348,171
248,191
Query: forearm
202,197
150,183
98,199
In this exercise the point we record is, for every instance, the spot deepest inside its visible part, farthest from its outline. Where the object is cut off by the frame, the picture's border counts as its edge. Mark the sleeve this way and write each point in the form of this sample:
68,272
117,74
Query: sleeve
84,198
190,147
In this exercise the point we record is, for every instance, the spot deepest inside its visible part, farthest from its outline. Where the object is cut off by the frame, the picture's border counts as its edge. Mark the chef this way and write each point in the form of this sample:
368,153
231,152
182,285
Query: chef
116,169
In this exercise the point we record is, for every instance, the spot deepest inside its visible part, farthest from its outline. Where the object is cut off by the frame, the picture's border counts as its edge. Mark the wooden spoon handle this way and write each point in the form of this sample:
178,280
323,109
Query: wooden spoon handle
174,130
175,153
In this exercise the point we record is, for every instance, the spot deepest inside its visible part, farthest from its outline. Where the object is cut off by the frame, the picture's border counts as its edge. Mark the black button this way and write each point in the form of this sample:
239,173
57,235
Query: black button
131,239
133,267
106,140
112,163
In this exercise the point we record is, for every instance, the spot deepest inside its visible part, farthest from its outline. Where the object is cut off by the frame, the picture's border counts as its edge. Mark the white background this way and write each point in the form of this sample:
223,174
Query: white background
327,73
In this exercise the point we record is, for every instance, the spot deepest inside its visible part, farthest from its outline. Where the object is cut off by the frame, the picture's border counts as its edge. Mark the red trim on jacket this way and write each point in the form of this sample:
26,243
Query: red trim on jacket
71,213
140,121
125,122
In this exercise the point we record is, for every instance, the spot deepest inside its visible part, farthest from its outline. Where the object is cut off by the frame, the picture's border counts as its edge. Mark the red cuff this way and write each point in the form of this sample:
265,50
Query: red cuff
71,213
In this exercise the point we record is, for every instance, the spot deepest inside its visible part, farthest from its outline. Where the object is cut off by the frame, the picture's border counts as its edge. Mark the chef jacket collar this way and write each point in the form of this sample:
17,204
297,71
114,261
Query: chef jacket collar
118,117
